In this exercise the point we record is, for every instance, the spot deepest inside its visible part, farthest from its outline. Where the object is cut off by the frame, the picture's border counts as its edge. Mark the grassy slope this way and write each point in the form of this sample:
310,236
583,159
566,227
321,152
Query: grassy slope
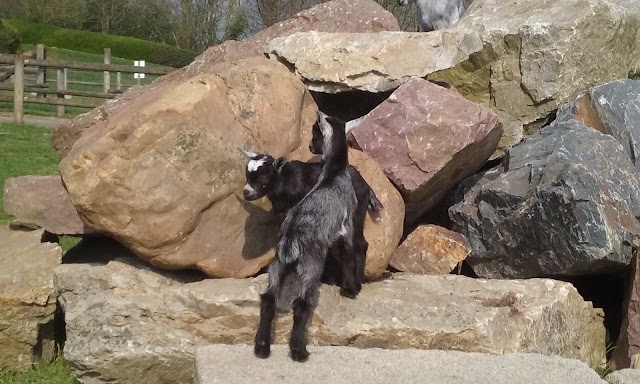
94,42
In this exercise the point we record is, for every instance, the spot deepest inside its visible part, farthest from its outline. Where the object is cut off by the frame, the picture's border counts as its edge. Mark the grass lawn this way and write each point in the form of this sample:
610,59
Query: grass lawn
26,150
56,372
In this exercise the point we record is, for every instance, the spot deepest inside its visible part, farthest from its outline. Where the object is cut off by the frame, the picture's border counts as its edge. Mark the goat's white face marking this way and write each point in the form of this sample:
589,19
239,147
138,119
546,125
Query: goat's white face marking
255,164
249,189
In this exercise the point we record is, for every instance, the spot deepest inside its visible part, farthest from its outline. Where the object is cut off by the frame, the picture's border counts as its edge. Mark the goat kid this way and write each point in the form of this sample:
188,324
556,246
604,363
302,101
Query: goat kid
436,14
321,220
285,183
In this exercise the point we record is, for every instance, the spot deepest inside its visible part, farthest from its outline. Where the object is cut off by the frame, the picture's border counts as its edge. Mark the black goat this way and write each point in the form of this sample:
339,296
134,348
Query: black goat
323,219
285,183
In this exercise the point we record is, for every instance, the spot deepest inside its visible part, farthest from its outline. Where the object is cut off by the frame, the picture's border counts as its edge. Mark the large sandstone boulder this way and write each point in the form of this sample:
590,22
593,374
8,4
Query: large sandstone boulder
563,203
42,202
383,230
128,324
537,55
612,108
373,62
162,173
410,136
27,298
430,250
332,16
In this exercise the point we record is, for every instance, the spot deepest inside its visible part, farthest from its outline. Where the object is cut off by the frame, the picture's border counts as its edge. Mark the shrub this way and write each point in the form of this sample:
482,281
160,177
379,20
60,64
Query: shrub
9,38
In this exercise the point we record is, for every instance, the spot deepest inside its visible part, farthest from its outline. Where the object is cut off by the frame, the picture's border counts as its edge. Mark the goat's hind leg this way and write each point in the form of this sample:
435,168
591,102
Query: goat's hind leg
351,264
302,308
262,346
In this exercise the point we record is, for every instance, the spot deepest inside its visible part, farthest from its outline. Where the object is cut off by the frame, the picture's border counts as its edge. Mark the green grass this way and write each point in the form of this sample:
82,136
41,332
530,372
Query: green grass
24,150
94,42
55,372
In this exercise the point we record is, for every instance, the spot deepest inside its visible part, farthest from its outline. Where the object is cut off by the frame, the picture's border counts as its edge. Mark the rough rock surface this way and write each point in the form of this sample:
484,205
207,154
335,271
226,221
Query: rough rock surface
564,202
628,345
410,136
27,297
624,376
42,202
430,250
355,16
373,62
612,108
404,366
537,55
162,173
332,16
127,324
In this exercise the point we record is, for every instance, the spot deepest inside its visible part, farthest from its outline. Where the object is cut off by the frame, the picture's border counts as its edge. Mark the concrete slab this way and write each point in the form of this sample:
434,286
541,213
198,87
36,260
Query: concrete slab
235,364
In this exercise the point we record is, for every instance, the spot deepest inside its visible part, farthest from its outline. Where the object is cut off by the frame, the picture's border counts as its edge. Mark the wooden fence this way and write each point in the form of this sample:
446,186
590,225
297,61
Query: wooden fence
17,65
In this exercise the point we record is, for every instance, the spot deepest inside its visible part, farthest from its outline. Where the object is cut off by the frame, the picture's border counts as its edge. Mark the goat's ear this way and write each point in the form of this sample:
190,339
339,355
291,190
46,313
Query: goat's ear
278,164
322,116
248,154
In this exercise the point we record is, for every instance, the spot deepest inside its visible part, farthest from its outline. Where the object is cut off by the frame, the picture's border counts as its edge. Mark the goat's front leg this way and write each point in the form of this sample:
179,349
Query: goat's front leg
262,346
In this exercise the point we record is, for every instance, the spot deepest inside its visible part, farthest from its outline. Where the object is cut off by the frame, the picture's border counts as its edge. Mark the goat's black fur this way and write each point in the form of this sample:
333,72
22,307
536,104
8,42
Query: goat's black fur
285,183
321,220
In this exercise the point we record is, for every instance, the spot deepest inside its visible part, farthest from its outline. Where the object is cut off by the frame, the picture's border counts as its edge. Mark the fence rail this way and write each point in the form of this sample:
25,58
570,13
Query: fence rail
15,67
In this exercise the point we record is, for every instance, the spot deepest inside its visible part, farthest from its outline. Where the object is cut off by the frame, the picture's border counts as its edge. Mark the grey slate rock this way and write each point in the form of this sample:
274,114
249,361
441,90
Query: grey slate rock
235,364
563,203
612,108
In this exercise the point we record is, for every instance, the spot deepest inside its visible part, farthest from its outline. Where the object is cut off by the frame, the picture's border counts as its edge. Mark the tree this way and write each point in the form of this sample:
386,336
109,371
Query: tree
104,13
406,15
273,11
9,38
10,8
199,24
63,13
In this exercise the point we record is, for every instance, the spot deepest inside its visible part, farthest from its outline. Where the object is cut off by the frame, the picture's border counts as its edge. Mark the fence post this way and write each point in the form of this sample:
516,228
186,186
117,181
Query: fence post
18,90
118,81
61,85
41,75
107,77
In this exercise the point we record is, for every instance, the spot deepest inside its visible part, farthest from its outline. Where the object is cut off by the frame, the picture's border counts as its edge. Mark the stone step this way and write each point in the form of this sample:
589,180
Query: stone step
231,364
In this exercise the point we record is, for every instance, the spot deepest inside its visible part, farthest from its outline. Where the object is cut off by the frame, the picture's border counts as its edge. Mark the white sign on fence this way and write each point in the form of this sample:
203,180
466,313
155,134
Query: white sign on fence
138,63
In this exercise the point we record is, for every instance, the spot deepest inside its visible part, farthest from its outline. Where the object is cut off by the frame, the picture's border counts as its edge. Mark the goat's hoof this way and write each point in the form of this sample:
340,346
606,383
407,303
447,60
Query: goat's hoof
299,355
262,351
348,293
